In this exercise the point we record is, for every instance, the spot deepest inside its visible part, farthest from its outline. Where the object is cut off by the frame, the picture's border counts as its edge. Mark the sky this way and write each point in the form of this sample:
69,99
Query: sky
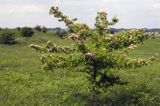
131,13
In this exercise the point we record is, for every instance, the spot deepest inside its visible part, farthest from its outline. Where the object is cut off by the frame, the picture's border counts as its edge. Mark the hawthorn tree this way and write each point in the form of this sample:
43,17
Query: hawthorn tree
27,32
38,28
7,37
44,29
61,33
99,52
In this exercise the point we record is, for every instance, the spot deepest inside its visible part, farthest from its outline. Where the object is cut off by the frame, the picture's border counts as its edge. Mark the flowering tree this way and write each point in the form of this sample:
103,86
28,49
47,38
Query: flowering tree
99,52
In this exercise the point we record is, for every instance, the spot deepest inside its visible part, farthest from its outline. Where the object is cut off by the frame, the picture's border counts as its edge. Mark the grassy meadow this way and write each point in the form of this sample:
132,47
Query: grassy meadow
24,82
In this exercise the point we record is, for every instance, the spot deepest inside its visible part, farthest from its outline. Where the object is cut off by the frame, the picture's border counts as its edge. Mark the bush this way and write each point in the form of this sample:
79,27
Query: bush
38,28
27,32
44,29
18,28
96,52
7,37
61,33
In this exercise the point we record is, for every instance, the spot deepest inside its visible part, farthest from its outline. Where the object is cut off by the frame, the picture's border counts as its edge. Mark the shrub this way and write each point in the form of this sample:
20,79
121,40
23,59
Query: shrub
38,28
44,29
7,37
61,33
18,28
27,32
96,52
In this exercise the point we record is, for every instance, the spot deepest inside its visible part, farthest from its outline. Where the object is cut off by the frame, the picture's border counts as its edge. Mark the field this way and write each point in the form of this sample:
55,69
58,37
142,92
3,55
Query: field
24,82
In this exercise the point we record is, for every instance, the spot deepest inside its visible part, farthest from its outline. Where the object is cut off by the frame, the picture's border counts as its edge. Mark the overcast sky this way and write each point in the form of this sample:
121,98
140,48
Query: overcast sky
131,13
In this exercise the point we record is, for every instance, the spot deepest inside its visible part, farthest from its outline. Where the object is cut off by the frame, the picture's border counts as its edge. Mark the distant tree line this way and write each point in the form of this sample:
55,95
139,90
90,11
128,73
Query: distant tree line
7,36
40,28
124,29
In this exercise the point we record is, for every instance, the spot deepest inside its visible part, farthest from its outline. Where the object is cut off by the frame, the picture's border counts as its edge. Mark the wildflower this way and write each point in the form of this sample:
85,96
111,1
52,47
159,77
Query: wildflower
132,46
73,36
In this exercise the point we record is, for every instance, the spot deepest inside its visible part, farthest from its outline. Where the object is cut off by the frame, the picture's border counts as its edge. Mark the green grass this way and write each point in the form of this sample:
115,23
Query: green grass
23,82
149,48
